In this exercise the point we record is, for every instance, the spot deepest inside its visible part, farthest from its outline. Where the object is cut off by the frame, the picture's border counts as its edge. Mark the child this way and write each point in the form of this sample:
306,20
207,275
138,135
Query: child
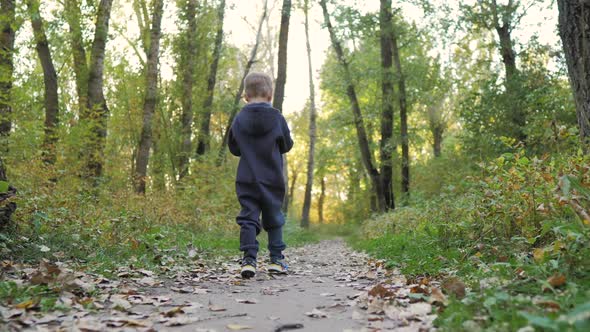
259,135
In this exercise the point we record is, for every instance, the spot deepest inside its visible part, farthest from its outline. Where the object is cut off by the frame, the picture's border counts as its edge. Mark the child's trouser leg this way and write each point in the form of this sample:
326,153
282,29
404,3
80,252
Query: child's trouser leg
273,221
248,219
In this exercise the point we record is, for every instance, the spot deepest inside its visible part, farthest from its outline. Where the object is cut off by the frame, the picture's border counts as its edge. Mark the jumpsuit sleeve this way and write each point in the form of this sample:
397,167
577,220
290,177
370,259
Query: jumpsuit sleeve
233,144
285,141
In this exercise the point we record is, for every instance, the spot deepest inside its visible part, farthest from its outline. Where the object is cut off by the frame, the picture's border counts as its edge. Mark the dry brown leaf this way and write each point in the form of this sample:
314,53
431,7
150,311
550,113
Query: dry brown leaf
182,320
454,286
247,301
380,291
549,305
557,280
437,297
173,312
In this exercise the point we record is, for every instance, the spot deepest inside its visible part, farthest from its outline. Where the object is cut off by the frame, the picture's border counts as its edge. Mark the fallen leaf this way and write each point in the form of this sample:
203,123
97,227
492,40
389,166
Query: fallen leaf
327,294
437,297
551,306
43,248
357,315
237,327
557,280
29,304
173,312
182,320
316,313
216,308
247,301
454,286
380,291
538,254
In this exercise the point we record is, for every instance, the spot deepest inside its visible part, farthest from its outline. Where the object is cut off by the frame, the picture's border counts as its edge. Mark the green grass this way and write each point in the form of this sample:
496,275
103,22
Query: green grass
512,301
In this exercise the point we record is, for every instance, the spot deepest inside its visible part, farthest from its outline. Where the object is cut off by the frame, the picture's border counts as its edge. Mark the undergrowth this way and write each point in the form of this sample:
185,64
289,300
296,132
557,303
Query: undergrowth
514,233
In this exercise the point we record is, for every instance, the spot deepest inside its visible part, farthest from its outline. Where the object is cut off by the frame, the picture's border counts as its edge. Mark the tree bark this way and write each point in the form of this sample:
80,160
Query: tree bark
312,127
403,108
386,148
279,93
358,117
504,31
96,112
574,30
238,96
51,101
7,36
292,186
188,81
322,199
203,144
80,63
151,96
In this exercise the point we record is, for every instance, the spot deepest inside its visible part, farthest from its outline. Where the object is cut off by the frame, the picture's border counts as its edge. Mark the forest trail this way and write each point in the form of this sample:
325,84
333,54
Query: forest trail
329,288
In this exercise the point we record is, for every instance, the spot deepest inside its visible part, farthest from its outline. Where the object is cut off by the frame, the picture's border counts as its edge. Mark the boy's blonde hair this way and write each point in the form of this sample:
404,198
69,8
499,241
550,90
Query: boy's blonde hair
258,85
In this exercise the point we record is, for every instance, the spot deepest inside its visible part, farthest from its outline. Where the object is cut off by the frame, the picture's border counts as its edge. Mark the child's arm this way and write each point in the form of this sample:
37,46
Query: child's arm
233,144
285,141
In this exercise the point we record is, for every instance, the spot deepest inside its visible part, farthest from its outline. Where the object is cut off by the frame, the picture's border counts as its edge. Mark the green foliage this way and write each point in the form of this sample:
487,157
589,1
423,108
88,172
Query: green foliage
506,230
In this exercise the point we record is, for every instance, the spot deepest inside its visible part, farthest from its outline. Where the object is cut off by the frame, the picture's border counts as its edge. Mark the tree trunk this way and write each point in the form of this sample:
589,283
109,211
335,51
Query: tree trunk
7,34
73,15
312,127
204,132
97,111
49,80
386,147
279,93
188,80
322,199
292,187
151,96
437,133
574,29
403,108
358,117
238,96
504,31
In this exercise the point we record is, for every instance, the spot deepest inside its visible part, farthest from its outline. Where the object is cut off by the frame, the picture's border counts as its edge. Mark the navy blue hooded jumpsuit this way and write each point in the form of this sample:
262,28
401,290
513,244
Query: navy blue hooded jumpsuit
259,135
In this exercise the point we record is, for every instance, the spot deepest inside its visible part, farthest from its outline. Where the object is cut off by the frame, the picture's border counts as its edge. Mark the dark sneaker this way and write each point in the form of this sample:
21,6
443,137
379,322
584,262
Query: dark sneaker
248,267
277,266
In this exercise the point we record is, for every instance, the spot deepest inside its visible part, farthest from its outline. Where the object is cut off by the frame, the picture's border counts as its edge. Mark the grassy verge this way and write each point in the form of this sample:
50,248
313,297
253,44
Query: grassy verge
510,236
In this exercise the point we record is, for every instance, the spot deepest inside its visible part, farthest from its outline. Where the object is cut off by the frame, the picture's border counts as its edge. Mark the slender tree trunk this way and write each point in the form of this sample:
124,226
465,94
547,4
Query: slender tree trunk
50,82
188,81
386,147
238,96
574,29
279,93
73,15
312,127
151,96
292,186
504,31
437,133
97,110
204,132
7,34
358,117
403,107
322,199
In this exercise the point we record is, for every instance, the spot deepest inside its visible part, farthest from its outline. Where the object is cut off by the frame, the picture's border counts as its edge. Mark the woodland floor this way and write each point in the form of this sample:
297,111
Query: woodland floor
329,288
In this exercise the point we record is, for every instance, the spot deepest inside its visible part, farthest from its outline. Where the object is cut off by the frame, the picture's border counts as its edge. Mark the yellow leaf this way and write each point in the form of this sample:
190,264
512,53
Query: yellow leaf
236,327
538,254
25,305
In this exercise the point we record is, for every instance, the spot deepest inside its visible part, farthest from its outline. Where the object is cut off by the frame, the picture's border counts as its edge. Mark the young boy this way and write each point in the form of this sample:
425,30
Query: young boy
259,135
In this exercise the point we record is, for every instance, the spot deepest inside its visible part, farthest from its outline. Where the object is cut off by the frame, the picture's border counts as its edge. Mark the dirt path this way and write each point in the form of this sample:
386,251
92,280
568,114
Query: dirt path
329,288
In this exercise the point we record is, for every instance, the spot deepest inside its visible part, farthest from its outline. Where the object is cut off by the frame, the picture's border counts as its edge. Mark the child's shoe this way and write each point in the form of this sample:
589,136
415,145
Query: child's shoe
248,267
277,266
